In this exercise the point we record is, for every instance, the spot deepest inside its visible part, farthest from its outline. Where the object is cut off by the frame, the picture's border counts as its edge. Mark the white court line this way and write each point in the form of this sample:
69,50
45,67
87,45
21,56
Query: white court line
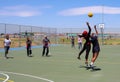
27,75
6,76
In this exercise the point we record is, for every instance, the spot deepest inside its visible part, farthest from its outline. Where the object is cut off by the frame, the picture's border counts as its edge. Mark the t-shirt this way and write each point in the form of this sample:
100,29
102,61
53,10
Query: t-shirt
94,41
72,40
7,42
46,41
79,40
87,38
28,42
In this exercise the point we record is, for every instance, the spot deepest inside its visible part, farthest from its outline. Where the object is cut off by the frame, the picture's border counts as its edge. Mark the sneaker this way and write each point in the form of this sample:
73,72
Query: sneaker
6,57
86,63
91,66
78,58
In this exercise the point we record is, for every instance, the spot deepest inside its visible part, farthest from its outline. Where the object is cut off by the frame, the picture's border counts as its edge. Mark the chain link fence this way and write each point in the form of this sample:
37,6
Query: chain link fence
107,36
18,34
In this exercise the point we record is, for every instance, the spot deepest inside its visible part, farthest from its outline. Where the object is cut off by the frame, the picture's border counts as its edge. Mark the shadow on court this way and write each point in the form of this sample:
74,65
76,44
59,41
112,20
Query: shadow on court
9,57
95,68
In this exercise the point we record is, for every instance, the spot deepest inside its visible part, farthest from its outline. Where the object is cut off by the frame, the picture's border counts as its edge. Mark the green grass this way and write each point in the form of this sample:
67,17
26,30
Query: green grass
62,65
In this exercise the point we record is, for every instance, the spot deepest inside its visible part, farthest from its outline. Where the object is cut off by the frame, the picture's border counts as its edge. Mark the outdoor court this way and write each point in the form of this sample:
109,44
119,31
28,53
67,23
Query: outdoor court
61,66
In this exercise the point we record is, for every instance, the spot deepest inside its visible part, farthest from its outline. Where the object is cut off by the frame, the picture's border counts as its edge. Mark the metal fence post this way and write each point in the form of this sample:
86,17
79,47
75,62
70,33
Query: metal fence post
19,35
5,28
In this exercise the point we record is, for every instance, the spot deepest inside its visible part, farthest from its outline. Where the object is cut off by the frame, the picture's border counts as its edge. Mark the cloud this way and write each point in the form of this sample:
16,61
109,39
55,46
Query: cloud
20,13
86,10
22,10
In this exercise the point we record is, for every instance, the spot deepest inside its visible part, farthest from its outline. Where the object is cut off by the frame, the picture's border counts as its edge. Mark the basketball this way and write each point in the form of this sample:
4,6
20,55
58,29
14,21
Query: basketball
90,14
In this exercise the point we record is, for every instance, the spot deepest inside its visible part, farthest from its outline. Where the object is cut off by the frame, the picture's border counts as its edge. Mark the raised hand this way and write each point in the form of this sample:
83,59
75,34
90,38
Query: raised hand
87,23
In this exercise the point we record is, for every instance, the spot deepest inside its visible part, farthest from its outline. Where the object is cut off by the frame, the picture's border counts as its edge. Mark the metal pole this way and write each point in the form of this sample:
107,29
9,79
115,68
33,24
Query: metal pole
56,40
31,33
102,13
102,36
102,26
41,31
19,35
5,28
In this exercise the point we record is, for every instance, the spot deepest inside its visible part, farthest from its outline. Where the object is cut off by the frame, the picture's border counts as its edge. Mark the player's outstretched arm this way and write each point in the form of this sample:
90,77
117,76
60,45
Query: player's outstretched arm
96,29
88,27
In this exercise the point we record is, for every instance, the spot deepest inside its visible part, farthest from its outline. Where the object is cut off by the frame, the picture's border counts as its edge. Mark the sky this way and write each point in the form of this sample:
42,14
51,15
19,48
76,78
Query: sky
60,13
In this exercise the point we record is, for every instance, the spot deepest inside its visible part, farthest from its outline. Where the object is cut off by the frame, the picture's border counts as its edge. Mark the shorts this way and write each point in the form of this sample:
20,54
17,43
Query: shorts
6,48
96,49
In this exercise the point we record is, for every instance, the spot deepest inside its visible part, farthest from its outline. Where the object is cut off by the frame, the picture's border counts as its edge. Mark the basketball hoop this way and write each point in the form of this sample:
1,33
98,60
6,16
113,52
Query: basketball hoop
101,26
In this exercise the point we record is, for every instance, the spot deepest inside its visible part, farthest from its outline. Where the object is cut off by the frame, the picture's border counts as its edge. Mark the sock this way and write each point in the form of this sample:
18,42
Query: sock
91,63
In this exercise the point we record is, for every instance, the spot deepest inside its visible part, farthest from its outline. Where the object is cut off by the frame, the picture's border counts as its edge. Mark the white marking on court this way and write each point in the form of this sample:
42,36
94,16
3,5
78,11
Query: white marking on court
7,77
27,75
